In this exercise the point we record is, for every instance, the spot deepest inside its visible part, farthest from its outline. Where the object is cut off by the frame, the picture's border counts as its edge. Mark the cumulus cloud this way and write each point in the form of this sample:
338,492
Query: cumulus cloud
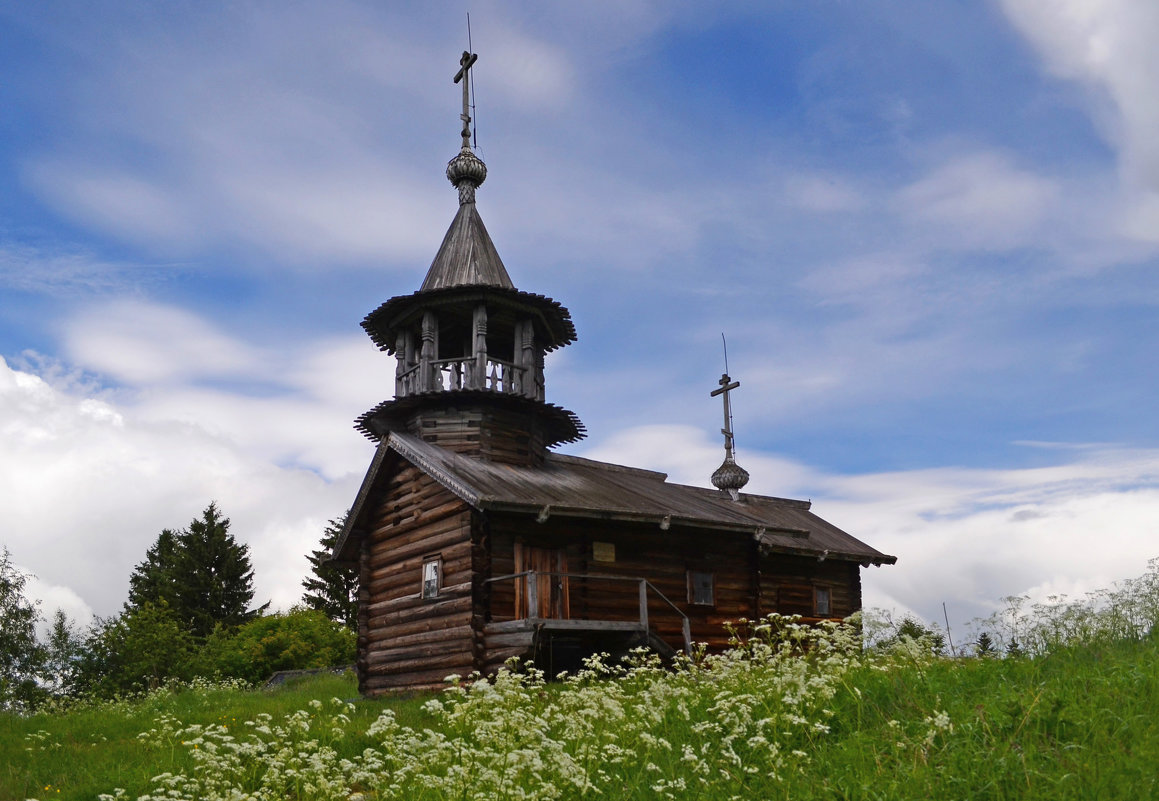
92,474
967,537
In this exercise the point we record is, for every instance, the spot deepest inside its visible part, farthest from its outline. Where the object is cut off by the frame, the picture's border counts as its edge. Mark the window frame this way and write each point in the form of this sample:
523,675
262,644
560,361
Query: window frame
436,562
827,592
692,587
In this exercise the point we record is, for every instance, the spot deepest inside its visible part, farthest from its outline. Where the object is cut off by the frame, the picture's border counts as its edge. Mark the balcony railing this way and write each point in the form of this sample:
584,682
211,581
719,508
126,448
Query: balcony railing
546,598
462,373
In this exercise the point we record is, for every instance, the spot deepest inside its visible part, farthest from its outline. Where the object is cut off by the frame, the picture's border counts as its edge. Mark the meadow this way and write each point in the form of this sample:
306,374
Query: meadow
790,712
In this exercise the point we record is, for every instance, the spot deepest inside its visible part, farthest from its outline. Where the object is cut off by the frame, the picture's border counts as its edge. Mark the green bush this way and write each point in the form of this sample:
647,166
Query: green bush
296,640
138,650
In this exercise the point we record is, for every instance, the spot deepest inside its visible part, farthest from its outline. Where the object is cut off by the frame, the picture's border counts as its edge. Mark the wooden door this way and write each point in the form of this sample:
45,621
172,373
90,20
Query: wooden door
549,593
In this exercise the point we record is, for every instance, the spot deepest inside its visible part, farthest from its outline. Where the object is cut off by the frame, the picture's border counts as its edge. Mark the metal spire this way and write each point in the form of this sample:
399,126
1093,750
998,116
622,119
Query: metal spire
729,477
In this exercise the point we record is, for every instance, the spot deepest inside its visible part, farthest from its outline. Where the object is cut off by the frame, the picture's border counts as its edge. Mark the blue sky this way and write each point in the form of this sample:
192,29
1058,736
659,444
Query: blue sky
930,231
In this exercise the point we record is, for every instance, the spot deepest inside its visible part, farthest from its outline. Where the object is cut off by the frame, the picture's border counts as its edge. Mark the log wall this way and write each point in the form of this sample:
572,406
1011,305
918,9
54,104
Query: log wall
499,435
746,583
405,640
788,585
663,557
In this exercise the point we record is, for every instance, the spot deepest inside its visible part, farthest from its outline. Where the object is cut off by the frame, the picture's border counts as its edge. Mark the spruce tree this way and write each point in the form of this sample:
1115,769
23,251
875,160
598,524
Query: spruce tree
201,575
212,575
332,589
152,580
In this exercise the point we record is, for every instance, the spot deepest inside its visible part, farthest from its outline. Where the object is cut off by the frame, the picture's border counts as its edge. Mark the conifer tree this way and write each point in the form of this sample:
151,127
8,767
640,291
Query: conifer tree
332,589
152,580
202,575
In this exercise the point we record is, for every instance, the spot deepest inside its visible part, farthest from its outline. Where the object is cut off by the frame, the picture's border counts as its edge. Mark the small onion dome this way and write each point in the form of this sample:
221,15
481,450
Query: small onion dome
467,172
730,477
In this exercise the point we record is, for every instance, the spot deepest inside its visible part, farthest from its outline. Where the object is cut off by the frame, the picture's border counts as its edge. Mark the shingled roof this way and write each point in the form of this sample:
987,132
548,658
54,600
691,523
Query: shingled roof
467,256
570,486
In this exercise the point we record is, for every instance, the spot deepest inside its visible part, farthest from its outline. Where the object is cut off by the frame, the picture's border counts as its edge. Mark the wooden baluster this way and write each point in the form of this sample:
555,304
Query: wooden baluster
400,365
526,345
429,353
480,346
643,604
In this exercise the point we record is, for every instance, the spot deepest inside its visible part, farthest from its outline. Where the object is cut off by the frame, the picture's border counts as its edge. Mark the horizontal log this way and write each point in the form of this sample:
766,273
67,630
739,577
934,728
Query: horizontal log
427,651
461,661
422,513
387,578
415,679
422,608
387,605
421,631
405,543
514,639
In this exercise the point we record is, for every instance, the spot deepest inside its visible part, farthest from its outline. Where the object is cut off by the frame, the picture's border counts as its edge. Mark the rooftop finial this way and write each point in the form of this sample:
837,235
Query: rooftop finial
730,476
465,63
466,170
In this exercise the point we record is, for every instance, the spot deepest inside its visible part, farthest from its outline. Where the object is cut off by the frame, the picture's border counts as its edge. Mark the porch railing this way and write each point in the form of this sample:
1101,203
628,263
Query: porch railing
531,584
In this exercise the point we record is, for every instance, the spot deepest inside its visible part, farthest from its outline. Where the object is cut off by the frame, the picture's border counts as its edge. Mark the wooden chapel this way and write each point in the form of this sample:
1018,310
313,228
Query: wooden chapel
475,543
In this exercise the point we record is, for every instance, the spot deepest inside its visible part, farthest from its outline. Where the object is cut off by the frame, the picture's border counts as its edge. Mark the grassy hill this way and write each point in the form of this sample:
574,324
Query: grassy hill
791,712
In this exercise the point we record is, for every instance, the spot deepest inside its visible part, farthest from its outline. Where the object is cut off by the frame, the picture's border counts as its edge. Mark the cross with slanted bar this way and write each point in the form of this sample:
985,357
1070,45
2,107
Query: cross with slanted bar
465,63
725,388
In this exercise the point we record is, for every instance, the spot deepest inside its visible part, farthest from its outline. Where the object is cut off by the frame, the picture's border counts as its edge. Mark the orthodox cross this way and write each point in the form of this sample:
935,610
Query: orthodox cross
465,63
726,386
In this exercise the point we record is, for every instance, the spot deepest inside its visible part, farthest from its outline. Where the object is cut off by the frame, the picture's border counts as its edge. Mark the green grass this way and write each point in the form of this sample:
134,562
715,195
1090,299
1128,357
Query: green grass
1074,722
95,748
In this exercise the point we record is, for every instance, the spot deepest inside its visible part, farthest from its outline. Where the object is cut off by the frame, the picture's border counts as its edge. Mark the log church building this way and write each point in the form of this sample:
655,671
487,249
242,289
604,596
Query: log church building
474,542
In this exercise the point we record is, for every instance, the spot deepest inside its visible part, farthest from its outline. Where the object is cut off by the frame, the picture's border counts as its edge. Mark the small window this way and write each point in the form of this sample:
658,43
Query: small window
432,577
700,588
821,601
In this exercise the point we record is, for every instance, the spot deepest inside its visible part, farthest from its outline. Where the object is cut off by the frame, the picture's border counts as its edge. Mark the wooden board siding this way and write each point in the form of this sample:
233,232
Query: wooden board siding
663,557
405,640
500,435
787,585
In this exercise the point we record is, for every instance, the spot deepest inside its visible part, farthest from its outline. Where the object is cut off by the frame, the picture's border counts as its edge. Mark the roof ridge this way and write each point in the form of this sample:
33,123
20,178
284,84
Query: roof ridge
609,466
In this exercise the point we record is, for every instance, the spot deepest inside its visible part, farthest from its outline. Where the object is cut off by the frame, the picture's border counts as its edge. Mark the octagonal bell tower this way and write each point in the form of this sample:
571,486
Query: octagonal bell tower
469,346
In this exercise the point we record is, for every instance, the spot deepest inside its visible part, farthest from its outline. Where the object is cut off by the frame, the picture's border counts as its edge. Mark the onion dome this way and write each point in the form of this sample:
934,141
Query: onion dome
466,172
730,477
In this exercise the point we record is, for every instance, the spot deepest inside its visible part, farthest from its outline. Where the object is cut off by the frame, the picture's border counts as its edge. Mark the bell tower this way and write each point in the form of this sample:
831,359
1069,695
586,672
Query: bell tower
469,347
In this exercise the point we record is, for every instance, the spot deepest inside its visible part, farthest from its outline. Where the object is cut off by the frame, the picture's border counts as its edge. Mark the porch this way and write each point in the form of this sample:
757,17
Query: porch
544,628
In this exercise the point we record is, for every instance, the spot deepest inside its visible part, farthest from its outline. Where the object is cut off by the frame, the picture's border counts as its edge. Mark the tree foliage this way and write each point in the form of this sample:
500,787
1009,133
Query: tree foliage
331,588
910,628
21,656
201,575
153,580
296,640
137,650
62,654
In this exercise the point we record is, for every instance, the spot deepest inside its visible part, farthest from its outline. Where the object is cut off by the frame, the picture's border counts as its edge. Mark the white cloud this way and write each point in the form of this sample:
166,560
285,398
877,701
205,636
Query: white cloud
140,342
966,537
1108,46
92,477
981,199
822,193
